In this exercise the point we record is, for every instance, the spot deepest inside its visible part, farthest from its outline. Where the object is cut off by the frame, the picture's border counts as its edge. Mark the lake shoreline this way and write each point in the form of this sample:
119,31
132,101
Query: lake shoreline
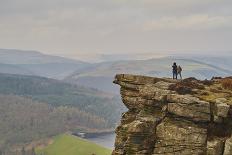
105,139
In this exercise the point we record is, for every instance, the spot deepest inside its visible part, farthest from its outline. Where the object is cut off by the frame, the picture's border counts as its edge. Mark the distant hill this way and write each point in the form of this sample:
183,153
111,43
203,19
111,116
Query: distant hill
101,75
71,145
14,69
15,56
36,63
53,70
57,93
219,61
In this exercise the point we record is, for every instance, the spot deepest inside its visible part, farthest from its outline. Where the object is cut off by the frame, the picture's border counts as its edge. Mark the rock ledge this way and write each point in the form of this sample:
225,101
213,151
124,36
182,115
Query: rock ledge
169,117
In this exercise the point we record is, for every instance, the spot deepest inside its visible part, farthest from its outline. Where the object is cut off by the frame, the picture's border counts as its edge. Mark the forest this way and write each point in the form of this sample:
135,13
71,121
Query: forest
34,108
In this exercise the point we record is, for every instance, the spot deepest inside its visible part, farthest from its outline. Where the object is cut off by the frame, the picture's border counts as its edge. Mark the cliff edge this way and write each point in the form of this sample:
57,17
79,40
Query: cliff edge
170,117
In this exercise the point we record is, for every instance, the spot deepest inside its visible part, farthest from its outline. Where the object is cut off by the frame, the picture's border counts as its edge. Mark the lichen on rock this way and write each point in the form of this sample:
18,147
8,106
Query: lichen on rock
171,117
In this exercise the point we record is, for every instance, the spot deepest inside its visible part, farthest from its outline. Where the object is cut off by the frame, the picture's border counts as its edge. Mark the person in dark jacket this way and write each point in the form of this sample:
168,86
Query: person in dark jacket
174,70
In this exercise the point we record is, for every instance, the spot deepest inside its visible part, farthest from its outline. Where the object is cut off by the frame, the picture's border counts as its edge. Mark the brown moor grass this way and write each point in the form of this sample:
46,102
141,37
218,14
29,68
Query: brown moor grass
227,83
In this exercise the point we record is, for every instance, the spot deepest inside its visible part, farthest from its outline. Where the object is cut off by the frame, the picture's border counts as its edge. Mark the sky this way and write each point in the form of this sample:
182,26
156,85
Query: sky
72,27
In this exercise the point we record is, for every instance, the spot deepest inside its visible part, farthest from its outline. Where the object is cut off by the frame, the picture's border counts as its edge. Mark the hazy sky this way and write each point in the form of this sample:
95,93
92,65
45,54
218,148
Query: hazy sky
116,26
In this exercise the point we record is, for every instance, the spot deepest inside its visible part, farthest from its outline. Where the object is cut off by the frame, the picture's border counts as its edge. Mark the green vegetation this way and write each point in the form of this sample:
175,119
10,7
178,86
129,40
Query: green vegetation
57,93
24,120
33,108
70,145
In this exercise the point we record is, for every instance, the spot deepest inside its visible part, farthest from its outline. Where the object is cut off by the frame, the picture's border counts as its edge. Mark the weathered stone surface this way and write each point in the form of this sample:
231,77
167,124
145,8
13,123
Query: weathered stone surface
163,85
130,93
217,119
149,91
187,99
128,86
134,102
128,117
164,122
180,136
137,139
228,147
221,100
215,147
222,109
189,107
139,80
199,111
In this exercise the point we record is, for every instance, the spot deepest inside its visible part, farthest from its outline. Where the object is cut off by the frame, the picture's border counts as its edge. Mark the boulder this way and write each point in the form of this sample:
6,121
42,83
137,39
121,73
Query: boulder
189,107
228,147
221,108
179,137
217,119
150,91
215,147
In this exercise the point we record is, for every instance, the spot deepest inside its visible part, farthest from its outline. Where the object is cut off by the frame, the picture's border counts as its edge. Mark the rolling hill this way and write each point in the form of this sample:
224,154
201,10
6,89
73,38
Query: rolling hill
23,62
15,56
101,75
14,69
70,145
223,62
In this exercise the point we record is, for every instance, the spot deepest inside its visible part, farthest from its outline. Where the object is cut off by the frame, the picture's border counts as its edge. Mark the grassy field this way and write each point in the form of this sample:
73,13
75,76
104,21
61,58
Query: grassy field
70,145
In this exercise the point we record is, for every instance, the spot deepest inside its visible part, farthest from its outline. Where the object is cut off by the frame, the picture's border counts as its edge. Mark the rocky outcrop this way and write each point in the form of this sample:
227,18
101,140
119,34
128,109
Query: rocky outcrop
170,117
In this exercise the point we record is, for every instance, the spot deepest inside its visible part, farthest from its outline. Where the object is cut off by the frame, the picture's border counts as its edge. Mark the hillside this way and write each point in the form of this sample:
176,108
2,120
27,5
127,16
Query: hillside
100,75
52,70
70,145
57,93
24,120
15,56
220,61
36,63
14,69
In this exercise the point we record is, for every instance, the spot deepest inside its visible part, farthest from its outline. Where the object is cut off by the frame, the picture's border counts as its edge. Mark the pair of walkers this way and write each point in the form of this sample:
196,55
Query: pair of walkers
176,70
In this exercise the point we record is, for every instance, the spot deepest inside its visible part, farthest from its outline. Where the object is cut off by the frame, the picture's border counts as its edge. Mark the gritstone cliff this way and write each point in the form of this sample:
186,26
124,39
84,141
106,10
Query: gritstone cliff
168,117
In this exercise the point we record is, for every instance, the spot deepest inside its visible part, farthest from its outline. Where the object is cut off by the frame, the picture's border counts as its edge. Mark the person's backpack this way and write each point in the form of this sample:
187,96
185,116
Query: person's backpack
179,69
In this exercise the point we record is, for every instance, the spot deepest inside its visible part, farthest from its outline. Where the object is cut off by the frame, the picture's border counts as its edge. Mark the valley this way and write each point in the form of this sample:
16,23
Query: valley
44,96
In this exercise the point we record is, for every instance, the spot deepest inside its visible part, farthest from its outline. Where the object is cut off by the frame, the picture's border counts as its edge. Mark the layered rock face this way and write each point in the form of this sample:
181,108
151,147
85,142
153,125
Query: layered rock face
170,117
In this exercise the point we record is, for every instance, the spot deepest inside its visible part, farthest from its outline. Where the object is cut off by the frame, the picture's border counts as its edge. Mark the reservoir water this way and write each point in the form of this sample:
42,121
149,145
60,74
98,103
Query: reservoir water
106,140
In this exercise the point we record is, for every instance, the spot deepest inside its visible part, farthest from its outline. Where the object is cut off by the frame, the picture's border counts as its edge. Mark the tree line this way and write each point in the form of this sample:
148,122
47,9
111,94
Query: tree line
23,120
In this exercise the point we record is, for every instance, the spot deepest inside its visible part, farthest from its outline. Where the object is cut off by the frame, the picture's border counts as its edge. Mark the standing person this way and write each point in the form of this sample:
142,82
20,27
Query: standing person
179,70
174,70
